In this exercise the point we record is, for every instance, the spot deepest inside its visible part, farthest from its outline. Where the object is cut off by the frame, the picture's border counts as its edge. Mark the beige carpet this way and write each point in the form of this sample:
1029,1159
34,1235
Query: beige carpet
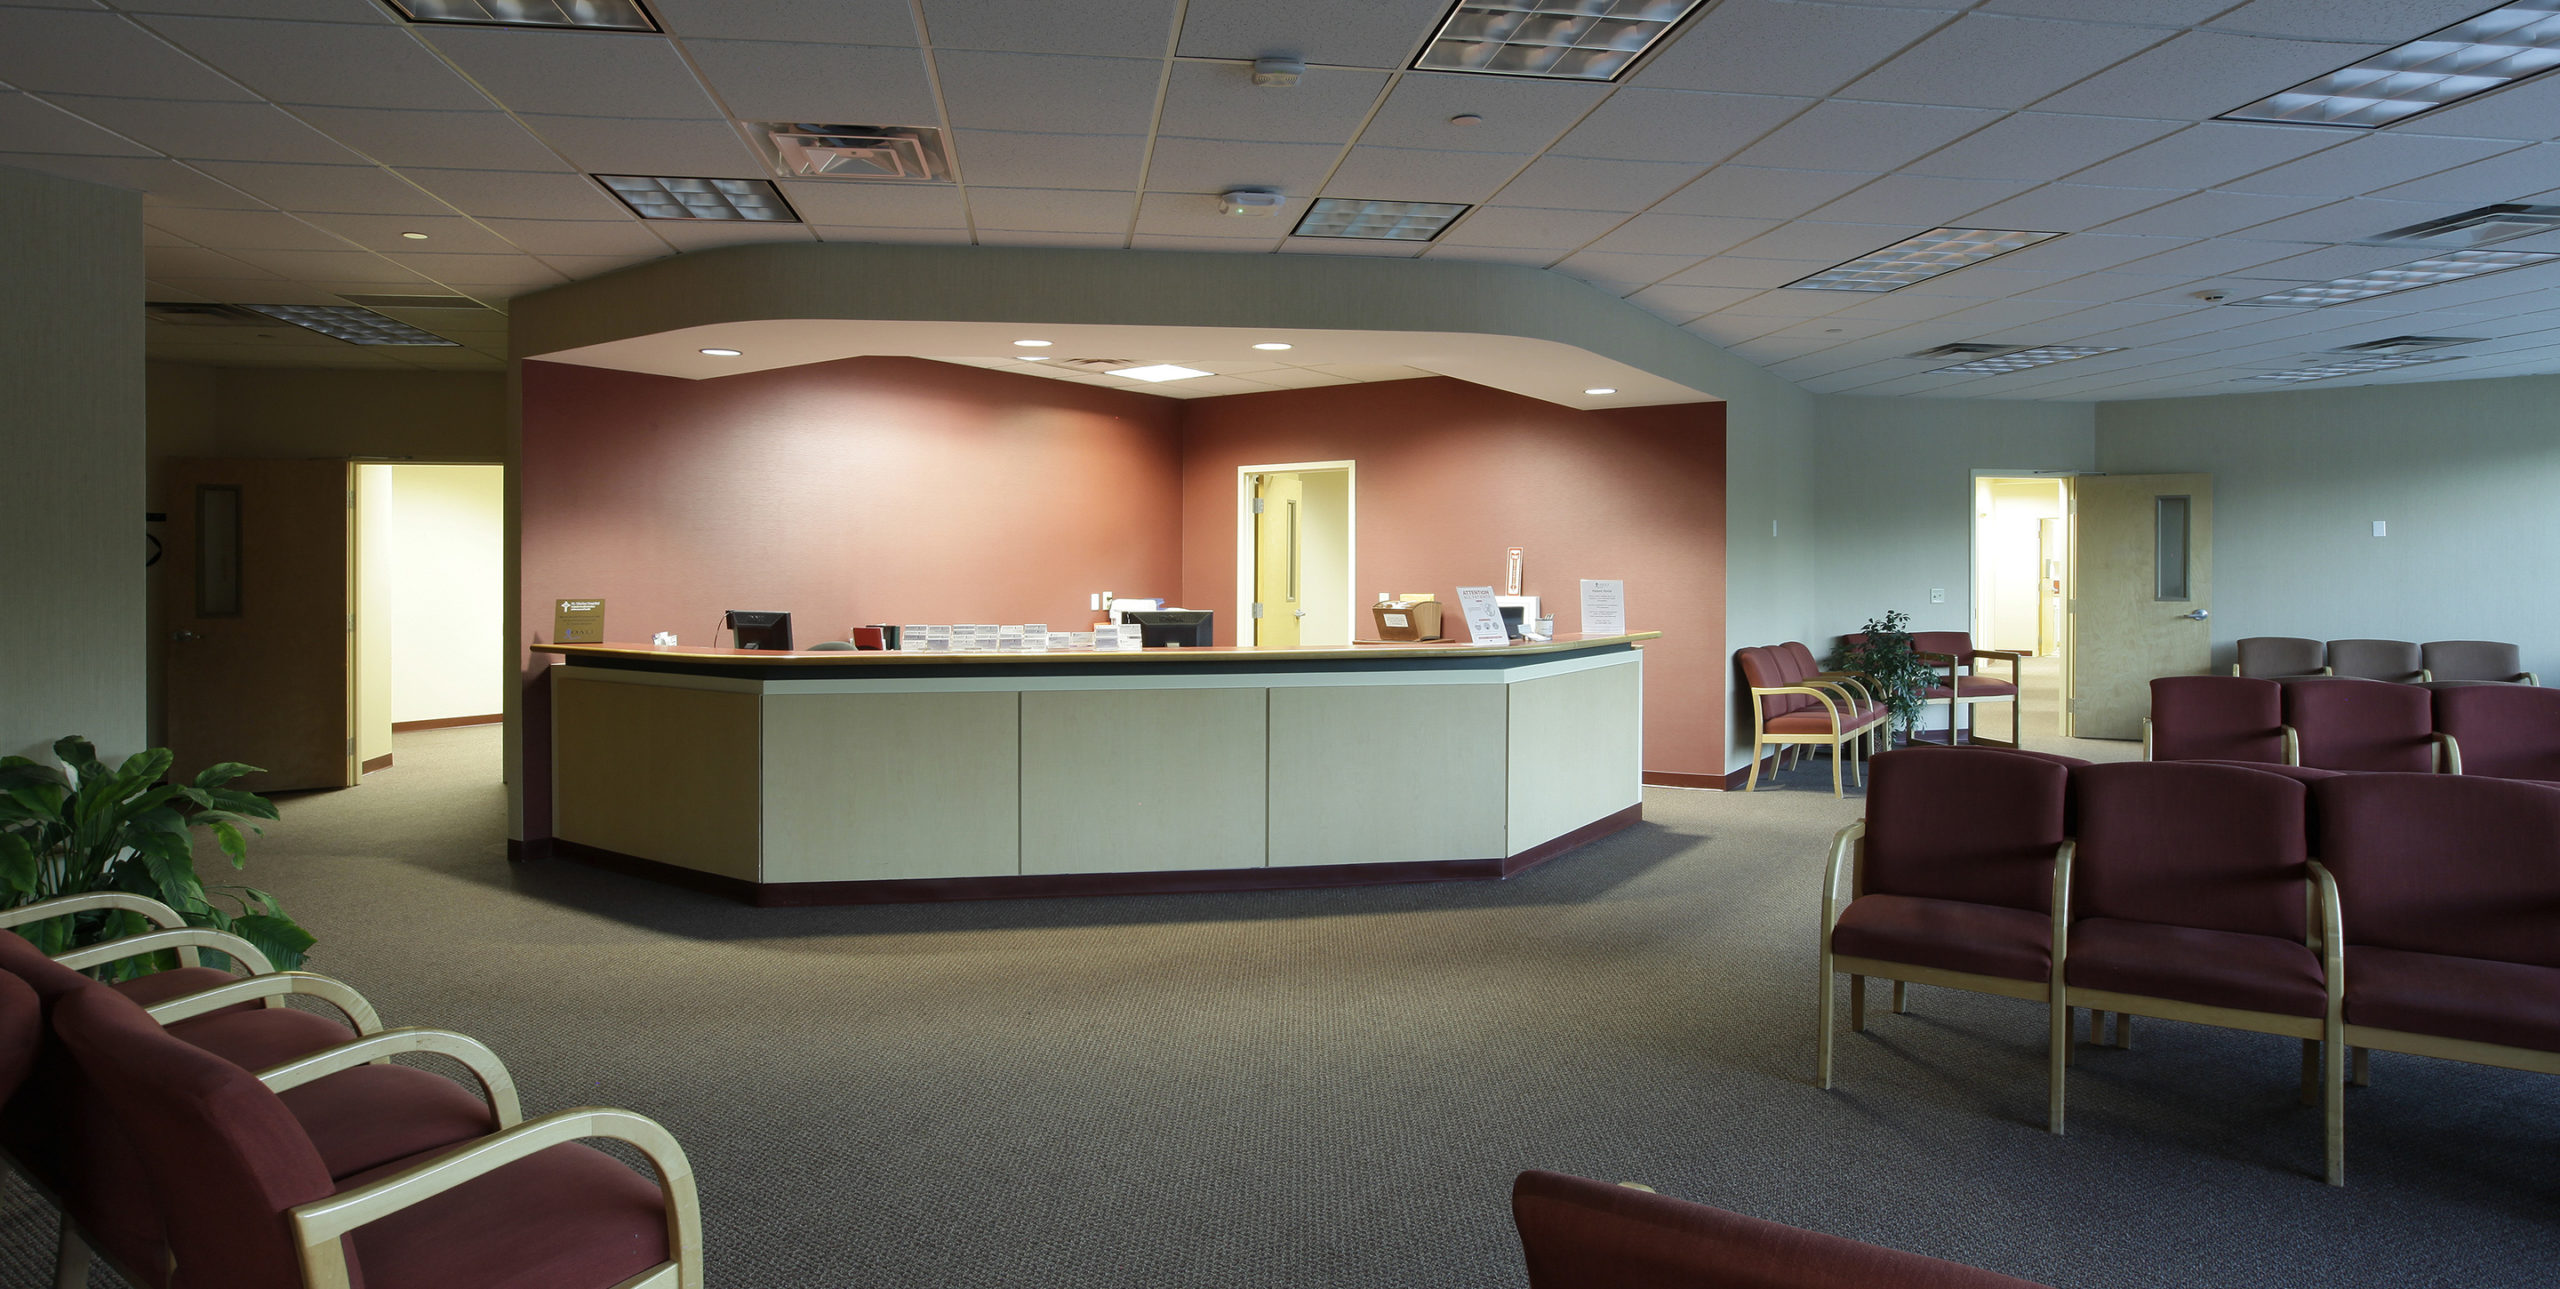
1334,1088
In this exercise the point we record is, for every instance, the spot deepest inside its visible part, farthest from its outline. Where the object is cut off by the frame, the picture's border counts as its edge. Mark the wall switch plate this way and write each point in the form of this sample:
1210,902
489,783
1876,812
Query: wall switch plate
2381,529
1937,595
1773,528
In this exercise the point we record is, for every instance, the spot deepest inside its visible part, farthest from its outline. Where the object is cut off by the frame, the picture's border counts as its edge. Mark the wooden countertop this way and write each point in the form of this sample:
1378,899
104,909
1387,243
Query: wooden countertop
682,654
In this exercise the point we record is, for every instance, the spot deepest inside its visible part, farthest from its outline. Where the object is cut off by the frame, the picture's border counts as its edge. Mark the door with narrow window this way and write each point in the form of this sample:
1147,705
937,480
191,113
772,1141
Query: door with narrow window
2141,595
1279,551
260,662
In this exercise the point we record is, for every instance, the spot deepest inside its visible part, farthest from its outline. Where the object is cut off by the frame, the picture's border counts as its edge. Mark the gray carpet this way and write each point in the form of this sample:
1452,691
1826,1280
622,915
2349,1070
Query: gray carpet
1334,1088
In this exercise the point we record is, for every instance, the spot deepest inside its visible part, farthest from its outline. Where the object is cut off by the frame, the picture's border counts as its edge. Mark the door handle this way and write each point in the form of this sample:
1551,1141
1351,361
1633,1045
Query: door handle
2197,615
184,636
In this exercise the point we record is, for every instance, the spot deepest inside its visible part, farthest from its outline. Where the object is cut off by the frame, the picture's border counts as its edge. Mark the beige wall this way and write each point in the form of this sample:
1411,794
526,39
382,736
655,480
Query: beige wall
71,439
448,603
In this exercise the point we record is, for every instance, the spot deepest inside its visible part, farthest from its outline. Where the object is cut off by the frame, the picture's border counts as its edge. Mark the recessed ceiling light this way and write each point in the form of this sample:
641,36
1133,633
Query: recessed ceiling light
1385,221
415,237
2020,360
1583,40
1033,344
355,326
2473,56
660,197
1160,372
612,15
1604,389
2452,266
2324,371
904,153
1917,259
722,353
1273,345
1032,358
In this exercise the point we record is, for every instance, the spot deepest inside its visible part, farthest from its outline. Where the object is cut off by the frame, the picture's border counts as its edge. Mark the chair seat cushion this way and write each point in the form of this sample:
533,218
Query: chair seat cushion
262,1037
2194,965
372,1115
566,1218
161,986
1817,721
2510,1003
1983,687
1985,939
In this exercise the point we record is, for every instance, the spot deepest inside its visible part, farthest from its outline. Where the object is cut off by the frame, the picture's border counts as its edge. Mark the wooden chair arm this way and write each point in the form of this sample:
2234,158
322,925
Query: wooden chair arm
2000,655
336,993
1823,697
2529,678
2327,931
183,939
1843,843
161,915
2062,857
473,1054
319,1225
2146,738
2292,745
2448,753
1848,678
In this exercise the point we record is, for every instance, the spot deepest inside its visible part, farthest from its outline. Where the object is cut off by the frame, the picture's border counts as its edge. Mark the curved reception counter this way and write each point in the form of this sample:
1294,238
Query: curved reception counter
812,778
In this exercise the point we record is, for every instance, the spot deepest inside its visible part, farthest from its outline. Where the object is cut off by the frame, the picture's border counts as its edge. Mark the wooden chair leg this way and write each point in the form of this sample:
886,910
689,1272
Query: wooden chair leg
1858,1003
2364,1067
1901,997
1758,747
2057,1060
2333,1110
2097,1028
1836,741
71,1259
1828,1012
2124,1032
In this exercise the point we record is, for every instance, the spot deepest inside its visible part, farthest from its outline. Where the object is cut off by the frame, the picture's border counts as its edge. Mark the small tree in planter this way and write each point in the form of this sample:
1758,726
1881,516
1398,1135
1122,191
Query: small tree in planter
1897,674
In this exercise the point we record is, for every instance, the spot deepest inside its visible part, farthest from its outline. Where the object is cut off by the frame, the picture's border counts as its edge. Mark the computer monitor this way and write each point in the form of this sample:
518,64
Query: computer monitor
757,630
1511,620
1189,628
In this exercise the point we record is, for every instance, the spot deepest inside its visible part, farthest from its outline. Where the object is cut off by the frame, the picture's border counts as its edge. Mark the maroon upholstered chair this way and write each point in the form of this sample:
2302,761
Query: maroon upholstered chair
2500,731
1792,705
2274,657
2451,890
2492,662
2340,723
1963,687
1580,1234
1953,881
249,1201
2187,892
2216,718
2395,660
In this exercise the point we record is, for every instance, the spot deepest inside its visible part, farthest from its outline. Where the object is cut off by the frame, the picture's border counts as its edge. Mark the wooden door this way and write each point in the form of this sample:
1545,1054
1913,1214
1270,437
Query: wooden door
259,613
2141,590
1278,554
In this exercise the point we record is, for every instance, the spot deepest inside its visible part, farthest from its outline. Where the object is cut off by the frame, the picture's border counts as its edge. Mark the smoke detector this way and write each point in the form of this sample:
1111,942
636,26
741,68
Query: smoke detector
1250,201
1278,73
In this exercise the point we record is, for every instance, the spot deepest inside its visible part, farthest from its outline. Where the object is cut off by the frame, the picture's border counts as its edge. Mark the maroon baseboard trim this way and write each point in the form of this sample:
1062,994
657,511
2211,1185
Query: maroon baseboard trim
926,890
382,762
445,722
520,849
1666,779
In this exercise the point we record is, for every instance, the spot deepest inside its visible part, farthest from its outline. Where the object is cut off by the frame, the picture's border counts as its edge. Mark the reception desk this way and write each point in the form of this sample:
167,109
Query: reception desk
802,778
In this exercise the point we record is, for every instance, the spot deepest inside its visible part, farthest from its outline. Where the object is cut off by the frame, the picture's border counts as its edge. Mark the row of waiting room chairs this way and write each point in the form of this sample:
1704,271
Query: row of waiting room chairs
196,1130
1796,704
2470,661
2337,723
2401,912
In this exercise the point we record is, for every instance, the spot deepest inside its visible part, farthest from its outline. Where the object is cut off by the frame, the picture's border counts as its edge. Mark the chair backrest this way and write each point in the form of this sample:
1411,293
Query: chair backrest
1801,659
2216,718
2472,659
824,646
1946,644
1965,824
21,1033
2270,656
226,1158
2398,660
2222,847
1764,667
2441,863
2368,725
2503,731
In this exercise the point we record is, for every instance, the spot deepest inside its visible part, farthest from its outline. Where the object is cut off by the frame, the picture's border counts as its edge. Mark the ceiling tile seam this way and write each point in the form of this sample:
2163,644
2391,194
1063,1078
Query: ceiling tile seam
1155,122
942,112
1351,141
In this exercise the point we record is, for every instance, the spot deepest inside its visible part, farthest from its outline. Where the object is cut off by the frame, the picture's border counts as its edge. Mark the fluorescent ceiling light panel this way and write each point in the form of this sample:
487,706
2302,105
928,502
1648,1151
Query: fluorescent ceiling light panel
658,197
348,323
1160,372
1940,250
2352,367
609,15
2474,56
2452,266
902,153
1580,40
1383,221
2041,355
2486,226
2394,345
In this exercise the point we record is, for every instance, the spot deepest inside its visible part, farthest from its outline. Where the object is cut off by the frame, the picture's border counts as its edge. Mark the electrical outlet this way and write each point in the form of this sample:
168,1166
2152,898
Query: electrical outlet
1937,595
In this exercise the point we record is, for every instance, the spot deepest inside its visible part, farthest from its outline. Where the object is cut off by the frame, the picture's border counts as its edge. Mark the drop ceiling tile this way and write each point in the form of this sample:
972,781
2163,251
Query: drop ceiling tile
362,190
616,237
457,140
316,267
2201,74
1736,271
2107,288
1119,27
1026,237
2209,258
1984,60
578,268
1841,135
2329,262
2361,165
709,234
186,262
2209,154
577,73
1623,270
990,91
1146,241
1920,199
1414,174
162,182
1215,165
31,124
326,64
1524,227
72,52
1342,33
1761,192
2500,178
503,194
162,237
613,146
1186,214
827,22
213,131
445,233
1809,240
1904,305
1989,282
2085,253
2386,22
1781,47
1520,115
1579,183
1678,125
2039,146
1533,257
2064,208
2211,214
1012,160
1682,303
1791,304
1350,246
1052,210
1220,101
1728,330
1694,236
515,270
2348,221
263,230
829,84
253,290
876,205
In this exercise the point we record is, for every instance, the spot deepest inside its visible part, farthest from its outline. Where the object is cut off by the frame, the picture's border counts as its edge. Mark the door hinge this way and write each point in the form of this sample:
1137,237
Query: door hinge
351,747
1257,610
351,623
1257,505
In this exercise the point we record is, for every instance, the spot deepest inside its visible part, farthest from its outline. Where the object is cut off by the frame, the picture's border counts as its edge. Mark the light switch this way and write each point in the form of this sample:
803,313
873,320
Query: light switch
2381,529
1937,595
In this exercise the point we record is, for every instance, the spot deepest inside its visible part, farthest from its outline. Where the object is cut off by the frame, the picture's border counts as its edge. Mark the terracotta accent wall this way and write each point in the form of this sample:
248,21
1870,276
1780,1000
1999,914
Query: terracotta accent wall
867,490
1451,474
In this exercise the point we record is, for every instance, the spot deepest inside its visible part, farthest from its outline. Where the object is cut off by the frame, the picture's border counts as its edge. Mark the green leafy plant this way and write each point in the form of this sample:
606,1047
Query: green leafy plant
1897,674
84,827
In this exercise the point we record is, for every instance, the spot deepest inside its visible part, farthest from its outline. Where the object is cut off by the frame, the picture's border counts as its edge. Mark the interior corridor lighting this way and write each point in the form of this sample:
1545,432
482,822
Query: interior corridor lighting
2351,367
2040,356
723,353
659,197
1603,389
2473,56
1385,221
1033,344
611,15
1273,345
348,323
1917,259
1159,372
1581,40
2452,266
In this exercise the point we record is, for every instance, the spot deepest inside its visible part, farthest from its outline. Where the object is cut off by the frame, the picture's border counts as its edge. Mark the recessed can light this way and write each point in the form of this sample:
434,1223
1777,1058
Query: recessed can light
1273,345
1033,358
723,353
1604,389
1032,344
1159,372
415,237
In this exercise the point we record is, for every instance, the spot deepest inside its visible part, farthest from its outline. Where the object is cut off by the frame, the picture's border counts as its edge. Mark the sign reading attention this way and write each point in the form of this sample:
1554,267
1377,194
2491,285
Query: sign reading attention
578,622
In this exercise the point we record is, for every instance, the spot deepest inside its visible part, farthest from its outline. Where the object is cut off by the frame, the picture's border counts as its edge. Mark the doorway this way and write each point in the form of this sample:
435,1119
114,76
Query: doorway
1295,552
2021,567
429,601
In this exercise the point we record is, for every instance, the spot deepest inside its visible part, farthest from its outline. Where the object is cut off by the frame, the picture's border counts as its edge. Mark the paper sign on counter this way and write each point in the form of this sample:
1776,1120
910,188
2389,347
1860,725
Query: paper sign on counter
1483,615
1604,607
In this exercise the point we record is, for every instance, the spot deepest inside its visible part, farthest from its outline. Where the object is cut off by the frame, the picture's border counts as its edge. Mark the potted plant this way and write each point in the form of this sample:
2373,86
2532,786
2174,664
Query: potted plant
85,827
1900,678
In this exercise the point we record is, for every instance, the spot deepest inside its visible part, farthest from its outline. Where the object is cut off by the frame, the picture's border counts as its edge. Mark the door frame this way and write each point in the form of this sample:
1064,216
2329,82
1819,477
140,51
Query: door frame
1973,565
1249,632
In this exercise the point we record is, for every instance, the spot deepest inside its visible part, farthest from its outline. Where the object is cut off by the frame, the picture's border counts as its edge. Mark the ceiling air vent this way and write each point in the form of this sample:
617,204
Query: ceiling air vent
2483,227
1962,351
183,314
2404,344
900,153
